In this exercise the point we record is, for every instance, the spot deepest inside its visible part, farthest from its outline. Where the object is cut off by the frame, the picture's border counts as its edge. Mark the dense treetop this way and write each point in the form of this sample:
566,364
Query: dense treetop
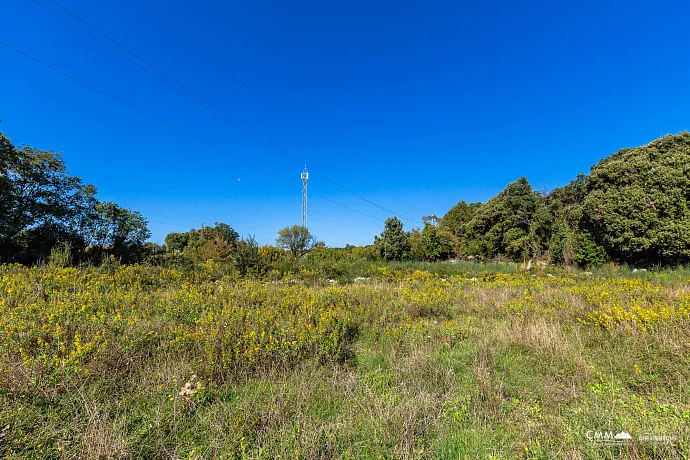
41,205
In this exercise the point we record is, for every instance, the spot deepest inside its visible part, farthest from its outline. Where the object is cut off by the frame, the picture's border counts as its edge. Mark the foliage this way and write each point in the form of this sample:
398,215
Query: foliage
565,205
515,223
457,217
176,241
60,256
247,258
42,206
438,245
217,243
393,243
638,202
296,239
417,249
587,252
118,231
323,253
369,253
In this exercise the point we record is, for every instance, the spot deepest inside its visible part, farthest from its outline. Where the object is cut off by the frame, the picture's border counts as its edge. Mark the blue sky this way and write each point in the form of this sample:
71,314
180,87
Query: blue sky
413,105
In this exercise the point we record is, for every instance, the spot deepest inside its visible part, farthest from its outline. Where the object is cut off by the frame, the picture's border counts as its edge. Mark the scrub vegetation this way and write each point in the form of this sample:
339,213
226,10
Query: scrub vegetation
453,360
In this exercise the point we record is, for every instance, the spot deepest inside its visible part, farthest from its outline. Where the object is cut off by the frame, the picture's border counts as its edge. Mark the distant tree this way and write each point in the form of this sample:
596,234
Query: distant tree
247,258
417,250
515,223
119,231
456,219
209,243
393,243
436,244
225,232
431,219
176,242
369,252
296,239
565,205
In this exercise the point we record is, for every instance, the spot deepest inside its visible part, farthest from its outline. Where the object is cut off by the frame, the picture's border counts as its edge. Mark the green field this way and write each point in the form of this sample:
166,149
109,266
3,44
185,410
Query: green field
412,361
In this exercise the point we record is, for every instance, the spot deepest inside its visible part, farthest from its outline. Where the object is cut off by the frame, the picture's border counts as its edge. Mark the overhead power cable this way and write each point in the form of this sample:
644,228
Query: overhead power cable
403,202
181,31
194,97
166,223
170,217
181,131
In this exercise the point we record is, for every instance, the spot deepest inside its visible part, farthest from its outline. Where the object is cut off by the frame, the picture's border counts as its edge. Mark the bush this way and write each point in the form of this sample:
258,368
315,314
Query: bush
60,256
588,253
248,258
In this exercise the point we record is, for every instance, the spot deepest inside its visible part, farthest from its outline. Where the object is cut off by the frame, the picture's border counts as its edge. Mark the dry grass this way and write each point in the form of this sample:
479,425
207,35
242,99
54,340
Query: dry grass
404,365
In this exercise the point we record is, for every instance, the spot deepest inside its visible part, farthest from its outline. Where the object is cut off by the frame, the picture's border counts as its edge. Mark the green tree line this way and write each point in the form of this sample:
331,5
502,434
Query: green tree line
42,206
633,207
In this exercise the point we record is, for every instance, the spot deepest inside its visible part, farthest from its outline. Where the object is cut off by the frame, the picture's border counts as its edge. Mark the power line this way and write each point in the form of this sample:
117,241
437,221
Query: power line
192,136
166,223
197,98
169,217
181,31
403,202
165,82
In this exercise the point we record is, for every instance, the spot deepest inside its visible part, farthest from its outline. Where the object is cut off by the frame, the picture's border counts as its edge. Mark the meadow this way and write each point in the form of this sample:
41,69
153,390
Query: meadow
359,361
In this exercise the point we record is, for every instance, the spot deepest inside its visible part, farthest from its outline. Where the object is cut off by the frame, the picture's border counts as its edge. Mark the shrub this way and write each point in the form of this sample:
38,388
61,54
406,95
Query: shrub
60,256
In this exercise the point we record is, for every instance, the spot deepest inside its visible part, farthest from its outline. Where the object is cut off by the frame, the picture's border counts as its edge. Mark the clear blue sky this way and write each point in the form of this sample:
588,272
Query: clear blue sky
413,105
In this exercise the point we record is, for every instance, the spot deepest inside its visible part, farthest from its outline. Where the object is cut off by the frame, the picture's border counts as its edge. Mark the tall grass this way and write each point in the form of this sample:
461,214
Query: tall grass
410,361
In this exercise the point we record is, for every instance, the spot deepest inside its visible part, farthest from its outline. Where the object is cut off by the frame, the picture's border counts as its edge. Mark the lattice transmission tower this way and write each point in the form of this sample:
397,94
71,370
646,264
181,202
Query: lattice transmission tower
305,181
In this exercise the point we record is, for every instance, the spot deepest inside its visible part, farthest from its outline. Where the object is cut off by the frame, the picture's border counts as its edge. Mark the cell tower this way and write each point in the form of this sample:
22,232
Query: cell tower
305,180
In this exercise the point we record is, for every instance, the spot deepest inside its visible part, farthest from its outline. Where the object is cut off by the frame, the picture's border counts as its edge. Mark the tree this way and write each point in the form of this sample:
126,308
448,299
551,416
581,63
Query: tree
40,204
431,219
219,242
225,232
565,205
515,223
248,257
296,239
456,219
416,251
638,202
119,231
436,244
176,242
393,243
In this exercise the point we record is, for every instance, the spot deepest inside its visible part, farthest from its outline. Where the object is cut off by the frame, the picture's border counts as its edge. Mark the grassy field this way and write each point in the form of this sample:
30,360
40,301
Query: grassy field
411,361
